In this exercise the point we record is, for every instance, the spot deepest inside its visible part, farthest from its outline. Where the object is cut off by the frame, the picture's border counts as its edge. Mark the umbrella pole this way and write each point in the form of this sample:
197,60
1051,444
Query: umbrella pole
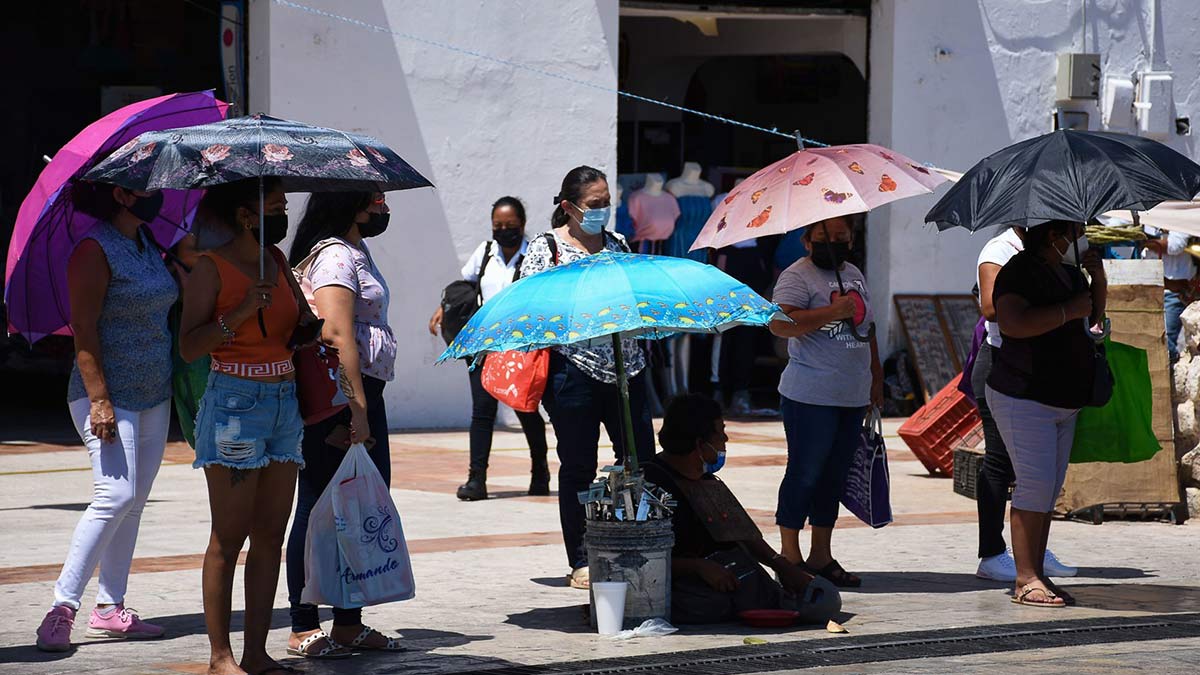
262,250
631,455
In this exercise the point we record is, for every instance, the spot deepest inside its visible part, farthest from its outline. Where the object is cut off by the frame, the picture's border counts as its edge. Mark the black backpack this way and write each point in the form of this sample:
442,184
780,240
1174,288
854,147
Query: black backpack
461,299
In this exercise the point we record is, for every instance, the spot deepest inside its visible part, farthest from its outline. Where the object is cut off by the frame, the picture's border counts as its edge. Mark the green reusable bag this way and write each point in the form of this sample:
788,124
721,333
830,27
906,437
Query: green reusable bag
1122,430
188,381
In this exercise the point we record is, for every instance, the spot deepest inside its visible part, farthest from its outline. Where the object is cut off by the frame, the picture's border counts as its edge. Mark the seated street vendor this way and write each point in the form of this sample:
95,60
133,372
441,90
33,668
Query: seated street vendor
719,554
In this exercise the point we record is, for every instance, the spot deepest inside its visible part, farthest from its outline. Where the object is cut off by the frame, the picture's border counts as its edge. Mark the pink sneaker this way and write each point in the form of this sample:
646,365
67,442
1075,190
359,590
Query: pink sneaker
122,623
54,635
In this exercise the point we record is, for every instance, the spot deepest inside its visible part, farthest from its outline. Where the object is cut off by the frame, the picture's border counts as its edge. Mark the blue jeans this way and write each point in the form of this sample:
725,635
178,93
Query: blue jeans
244,424
578,405
821,443
1173,307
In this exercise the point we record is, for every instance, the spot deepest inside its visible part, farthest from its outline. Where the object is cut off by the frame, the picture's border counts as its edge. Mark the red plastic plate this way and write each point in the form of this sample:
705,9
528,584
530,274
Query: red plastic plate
769,618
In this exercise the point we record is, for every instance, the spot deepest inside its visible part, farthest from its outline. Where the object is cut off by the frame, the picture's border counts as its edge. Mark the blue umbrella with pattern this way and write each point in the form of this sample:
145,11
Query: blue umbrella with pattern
610,296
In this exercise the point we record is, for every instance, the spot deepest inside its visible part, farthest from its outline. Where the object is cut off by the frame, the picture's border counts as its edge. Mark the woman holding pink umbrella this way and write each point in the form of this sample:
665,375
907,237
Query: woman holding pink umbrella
84,258
833,371
120,401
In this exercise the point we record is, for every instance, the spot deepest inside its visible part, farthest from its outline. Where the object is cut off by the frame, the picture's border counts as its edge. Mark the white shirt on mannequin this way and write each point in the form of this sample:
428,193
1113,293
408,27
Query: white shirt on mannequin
689,184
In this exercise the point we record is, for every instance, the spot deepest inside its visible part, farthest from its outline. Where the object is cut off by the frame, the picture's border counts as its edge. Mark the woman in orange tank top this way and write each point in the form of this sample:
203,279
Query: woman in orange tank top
249,427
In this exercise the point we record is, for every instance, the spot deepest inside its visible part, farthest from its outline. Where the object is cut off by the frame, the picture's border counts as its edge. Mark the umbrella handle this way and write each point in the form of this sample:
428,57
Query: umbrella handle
850,327
870,335
262,245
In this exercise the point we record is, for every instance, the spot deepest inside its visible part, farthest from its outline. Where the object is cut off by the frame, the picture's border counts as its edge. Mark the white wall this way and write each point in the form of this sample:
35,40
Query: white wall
477,129
996,87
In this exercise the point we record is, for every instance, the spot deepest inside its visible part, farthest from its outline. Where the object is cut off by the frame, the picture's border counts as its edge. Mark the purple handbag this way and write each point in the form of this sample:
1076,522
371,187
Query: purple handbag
964,383
868,487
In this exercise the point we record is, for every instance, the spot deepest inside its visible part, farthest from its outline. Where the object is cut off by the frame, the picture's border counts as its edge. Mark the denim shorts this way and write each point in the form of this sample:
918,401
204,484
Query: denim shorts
243,424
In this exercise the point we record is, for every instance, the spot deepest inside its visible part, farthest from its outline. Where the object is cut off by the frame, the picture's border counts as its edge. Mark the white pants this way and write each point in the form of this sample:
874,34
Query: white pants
122,473
1039,439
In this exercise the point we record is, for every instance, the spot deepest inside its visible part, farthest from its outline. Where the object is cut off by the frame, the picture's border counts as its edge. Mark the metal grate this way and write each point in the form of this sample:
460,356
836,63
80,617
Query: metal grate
815,653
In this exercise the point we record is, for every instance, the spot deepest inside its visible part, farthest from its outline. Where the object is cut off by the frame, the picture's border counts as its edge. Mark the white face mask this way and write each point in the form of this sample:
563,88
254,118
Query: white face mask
593,221
1069,257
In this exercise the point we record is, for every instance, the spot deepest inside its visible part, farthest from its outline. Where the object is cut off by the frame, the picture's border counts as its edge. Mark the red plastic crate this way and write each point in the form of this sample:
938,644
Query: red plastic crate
934,430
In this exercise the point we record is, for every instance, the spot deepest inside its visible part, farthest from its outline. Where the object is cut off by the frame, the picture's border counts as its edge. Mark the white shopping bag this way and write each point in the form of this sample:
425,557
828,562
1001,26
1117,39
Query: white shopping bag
355,554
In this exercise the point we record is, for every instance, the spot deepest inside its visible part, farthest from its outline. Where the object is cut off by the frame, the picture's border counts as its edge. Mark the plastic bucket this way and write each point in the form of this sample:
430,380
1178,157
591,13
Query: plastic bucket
610,605
638,553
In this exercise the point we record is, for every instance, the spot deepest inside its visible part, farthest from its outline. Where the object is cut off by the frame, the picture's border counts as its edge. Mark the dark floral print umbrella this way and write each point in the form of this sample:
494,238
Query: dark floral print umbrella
305,158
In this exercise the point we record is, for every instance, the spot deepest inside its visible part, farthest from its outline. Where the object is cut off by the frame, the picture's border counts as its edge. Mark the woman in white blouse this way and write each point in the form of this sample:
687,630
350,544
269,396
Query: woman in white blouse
352,297
495,265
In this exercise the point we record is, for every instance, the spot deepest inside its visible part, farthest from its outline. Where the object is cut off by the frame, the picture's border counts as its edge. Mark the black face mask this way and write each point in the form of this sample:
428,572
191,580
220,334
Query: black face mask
146,209
275,226
376,224
508,237
830,255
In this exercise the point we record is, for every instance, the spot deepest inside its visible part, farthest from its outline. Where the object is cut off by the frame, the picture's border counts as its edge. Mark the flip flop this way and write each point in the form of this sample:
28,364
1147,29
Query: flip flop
1067,598
1021,598
393,644
330,652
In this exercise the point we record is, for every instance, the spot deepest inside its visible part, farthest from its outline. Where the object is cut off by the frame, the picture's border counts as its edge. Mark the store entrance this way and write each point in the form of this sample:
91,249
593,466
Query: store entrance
799,70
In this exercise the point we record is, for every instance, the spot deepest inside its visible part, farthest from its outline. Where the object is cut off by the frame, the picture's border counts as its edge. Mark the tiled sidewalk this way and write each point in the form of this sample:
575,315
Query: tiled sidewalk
491,589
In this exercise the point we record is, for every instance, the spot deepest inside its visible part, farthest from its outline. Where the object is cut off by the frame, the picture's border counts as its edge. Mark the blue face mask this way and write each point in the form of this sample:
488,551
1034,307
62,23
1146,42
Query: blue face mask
713,467
593,220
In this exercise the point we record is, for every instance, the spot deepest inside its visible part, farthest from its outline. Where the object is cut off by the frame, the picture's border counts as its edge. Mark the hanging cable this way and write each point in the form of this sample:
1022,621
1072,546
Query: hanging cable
546,73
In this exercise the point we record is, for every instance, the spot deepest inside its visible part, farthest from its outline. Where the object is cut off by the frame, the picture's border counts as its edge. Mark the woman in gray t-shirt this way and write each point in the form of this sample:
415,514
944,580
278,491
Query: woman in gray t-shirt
830,379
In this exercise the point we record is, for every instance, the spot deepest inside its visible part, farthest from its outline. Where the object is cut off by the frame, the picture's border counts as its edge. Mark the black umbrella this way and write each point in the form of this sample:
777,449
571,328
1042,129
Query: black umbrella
1066,175
303,157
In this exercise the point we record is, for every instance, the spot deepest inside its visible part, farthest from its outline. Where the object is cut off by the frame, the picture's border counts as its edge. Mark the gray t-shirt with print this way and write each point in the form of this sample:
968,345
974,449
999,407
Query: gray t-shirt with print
828,366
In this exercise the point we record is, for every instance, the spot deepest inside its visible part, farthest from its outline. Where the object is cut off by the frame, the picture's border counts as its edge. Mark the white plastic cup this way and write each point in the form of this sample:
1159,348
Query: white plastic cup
610,606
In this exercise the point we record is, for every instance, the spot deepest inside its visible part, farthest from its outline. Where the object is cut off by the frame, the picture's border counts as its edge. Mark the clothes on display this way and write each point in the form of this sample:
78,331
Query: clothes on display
695,206
654,213
623,224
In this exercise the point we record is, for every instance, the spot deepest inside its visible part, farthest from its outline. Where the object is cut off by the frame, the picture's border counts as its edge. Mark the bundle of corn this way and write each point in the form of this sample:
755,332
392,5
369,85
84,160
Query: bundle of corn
1117,234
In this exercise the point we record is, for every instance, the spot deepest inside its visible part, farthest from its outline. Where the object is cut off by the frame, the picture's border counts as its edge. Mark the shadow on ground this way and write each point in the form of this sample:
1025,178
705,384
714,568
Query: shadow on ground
946,582
1155,598
574,619
420,642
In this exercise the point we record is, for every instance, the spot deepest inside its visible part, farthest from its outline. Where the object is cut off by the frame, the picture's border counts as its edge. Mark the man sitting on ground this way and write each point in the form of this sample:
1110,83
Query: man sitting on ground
719,554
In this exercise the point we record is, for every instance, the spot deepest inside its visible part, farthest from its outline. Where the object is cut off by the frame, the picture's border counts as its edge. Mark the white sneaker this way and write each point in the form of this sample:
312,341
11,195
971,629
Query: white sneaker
1000,567
1055,568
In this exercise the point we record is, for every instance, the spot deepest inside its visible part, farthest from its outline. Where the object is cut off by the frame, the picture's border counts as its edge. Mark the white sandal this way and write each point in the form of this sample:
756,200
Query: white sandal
331,651
393,644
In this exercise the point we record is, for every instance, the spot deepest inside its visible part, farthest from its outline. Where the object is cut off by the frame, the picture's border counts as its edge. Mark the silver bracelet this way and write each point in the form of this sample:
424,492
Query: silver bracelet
225,329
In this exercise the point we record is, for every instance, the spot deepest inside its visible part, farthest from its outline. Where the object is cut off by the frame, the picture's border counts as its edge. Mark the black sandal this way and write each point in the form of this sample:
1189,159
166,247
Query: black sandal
838,575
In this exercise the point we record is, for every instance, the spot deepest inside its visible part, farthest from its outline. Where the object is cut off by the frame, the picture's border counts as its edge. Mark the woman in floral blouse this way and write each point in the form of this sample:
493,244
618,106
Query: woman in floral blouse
581,393
351,295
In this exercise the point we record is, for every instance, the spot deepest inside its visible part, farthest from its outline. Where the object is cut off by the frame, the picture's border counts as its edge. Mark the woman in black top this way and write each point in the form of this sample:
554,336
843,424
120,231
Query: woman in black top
1042,375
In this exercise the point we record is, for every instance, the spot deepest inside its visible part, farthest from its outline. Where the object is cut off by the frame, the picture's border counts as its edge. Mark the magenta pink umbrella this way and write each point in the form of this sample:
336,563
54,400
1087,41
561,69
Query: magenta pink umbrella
48,228
811,185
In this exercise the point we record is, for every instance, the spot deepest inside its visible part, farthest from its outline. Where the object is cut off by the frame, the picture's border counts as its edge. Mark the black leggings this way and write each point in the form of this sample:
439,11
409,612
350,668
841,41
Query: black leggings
483,421
996,471
321,461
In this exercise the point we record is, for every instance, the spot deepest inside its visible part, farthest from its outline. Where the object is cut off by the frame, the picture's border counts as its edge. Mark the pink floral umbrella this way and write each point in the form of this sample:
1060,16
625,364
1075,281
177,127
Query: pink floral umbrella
811,185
